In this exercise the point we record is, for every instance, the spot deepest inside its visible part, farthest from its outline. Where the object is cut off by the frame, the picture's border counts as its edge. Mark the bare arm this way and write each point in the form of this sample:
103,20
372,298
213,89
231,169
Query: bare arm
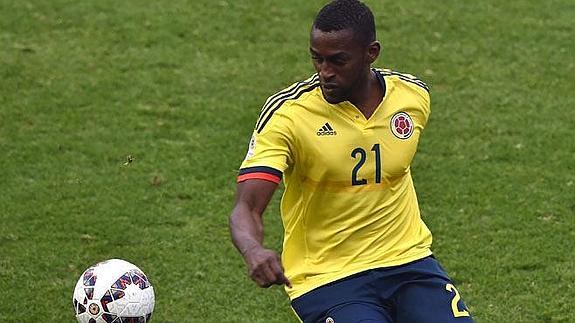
247,231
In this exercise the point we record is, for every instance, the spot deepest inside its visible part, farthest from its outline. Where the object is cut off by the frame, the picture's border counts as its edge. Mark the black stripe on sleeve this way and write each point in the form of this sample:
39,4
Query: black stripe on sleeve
300,93
404,77
416,82
283,95
261,169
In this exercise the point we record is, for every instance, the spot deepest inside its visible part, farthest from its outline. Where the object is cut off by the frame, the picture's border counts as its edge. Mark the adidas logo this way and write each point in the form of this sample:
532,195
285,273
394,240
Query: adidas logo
326,130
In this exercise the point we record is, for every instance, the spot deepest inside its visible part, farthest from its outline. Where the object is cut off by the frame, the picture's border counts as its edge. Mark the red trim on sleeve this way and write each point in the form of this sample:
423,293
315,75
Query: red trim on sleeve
264,176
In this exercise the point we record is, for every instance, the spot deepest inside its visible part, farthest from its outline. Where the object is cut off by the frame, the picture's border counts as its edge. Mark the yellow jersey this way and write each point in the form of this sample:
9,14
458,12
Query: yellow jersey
349,202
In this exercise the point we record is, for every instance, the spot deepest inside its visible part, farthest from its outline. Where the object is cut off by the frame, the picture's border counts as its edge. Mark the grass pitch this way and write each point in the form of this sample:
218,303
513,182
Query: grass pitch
178,85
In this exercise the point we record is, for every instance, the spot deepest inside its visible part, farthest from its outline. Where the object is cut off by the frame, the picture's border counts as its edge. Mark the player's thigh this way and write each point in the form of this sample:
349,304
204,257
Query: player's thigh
431,301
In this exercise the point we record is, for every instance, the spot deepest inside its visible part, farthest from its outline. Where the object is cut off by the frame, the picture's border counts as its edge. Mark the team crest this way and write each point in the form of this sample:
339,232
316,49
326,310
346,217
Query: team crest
329,320
401,125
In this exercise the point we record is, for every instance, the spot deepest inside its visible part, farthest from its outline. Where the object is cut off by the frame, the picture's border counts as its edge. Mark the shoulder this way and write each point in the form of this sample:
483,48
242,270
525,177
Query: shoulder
279,103
409,92
404,81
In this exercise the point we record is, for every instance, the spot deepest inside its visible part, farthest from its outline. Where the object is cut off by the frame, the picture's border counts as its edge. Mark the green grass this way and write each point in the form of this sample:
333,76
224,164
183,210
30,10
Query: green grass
178,85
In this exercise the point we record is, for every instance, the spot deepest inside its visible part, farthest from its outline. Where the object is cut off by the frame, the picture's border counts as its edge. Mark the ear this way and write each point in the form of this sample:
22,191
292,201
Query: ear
373,50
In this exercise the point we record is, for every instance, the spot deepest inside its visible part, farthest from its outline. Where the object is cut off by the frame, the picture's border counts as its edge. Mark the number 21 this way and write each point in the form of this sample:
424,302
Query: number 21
362,156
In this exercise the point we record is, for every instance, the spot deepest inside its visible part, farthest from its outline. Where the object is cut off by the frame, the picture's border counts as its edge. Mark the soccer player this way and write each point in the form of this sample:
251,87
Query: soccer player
355,247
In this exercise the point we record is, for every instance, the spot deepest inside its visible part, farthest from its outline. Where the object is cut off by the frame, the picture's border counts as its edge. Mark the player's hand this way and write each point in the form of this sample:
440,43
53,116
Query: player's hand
265,268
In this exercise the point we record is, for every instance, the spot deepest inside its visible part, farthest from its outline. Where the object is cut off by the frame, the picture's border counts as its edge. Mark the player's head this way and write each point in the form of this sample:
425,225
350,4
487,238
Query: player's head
347,14
343,46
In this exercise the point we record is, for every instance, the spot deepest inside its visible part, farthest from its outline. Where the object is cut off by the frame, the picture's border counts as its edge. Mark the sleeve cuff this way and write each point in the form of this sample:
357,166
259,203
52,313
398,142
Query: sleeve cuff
261,172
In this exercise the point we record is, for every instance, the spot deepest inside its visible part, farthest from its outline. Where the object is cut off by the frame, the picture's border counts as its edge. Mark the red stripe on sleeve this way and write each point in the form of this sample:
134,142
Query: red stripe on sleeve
264,176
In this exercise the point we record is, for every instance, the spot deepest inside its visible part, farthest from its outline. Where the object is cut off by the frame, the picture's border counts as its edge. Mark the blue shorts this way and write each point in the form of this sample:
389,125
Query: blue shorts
417,292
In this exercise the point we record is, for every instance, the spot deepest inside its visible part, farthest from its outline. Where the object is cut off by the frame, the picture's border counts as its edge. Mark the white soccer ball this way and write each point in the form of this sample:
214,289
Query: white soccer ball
113,291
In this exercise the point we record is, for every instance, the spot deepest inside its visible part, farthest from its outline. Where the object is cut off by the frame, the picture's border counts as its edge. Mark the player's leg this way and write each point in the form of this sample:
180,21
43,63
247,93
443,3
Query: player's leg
429,297
430,302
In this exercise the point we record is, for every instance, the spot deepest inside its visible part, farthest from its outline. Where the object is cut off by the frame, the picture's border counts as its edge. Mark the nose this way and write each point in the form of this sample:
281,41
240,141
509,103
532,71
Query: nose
326,72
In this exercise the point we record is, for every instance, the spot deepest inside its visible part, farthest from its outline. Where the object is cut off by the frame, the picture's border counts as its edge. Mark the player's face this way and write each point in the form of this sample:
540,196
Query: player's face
341,62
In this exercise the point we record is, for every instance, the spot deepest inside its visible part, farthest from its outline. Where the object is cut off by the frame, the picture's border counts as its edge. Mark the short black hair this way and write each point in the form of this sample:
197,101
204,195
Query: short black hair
343,14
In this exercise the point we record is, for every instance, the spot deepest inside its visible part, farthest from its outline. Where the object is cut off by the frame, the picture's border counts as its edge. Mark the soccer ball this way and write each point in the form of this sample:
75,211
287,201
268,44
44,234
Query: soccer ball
113,291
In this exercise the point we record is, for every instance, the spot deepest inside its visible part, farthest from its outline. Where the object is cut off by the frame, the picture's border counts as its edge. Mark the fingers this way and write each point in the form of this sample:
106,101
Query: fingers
267,270
270,275
265,276
279,271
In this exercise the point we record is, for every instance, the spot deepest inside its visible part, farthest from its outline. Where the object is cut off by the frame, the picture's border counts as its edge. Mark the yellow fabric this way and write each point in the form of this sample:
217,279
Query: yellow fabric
333,228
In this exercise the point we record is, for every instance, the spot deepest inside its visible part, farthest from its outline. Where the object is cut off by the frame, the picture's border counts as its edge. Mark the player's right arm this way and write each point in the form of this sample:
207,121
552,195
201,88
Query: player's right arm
247,231
269,154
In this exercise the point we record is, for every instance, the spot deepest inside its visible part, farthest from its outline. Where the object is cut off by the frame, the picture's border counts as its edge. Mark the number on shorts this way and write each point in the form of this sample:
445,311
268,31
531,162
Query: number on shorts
454,301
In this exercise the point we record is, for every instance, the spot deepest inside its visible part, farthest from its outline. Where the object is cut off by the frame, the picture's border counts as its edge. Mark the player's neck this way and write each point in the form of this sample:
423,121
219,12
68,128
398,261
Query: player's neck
368,95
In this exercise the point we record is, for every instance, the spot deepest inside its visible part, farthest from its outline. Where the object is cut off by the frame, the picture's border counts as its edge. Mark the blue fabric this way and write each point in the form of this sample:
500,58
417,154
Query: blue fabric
418,292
